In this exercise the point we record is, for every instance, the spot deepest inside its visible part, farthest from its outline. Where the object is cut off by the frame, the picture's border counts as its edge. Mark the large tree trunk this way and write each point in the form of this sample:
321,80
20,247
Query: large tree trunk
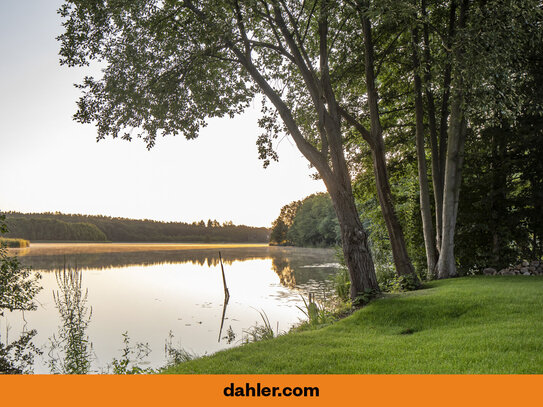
354,239
395,233
446,266
425,209
397,242
437,143
337,179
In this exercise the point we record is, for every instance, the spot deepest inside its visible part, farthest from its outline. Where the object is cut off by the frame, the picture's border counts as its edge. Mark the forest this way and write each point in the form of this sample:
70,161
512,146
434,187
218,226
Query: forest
310,222
66,227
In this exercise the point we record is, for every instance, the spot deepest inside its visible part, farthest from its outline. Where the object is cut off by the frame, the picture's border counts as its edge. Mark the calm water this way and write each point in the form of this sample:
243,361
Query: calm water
150,293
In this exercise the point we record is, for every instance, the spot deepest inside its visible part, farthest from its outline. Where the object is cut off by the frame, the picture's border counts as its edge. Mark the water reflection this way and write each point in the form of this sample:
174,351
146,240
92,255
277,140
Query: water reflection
223,315
150,293
296,268
226,296
200,257
286,260
281,266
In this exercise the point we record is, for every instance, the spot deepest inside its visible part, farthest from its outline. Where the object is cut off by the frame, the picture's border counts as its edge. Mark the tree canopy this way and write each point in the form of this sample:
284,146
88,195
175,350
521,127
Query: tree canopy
344,79
311,222
170,65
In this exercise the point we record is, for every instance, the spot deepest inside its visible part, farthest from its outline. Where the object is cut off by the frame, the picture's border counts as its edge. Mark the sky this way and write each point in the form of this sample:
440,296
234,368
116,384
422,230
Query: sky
49,162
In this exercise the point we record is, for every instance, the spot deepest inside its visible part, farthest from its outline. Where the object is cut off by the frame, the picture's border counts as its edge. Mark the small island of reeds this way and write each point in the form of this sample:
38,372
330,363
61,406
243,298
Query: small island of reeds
14,243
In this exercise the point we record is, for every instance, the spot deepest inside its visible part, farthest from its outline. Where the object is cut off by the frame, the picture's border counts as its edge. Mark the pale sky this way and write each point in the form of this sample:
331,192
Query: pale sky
48,162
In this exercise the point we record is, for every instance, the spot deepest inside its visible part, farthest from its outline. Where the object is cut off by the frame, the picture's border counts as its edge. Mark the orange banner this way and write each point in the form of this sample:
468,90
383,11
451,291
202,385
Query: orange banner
300,390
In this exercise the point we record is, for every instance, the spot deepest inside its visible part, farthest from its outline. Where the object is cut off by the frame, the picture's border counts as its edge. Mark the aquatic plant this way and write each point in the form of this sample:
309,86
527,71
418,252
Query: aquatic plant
260,332
70,351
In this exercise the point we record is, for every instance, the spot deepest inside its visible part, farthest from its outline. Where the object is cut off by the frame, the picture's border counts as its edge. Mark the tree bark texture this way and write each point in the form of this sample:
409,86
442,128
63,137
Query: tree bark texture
355,243
425,209
358,257
446,266
399,250
437,173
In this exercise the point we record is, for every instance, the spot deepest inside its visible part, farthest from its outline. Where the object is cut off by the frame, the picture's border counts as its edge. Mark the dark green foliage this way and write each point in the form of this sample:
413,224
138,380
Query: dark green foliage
501,198
36,228
309,223
17,357
342,284
395,284
18,287
58,226
160,78
501,210
315,223
403,179
278,235
280,226
364,298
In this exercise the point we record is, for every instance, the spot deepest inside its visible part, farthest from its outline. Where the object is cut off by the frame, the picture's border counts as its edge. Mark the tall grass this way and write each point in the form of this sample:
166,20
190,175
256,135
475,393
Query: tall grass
71,351
260,332
14,243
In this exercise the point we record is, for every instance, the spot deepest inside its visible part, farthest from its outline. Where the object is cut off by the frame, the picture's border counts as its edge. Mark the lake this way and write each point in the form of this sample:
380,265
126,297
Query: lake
153,291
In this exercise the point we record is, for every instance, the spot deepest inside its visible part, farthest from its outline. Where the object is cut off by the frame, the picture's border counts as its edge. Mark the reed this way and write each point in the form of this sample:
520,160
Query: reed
14,243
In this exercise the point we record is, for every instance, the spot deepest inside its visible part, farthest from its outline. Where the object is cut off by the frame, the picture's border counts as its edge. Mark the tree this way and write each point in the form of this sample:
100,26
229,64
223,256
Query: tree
281,225
170,65
487,48
453,69
315,223
18,287
311,222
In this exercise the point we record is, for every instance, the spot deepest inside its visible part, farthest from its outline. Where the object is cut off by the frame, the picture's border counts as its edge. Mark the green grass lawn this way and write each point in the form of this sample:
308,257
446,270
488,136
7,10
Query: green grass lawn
464,325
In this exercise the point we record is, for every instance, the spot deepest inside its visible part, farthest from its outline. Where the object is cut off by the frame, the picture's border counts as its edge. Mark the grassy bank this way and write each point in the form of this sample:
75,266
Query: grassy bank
14,243
465,325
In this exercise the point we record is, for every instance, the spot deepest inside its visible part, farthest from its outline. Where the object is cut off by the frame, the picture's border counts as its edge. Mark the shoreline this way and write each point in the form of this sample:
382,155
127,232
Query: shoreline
37,249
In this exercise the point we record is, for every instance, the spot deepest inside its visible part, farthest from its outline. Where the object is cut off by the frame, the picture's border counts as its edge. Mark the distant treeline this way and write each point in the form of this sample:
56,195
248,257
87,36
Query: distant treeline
311,222
65,227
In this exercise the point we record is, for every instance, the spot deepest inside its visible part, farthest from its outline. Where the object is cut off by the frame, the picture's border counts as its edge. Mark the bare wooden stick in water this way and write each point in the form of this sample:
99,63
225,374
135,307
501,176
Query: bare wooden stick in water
226,293
223,315
226,297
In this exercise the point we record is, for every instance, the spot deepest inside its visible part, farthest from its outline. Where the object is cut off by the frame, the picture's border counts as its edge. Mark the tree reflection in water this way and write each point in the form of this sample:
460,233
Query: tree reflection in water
71,351
302,270
281,266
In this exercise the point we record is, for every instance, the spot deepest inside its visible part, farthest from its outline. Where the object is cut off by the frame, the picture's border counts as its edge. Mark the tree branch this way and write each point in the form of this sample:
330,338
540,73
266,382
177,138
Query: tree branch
294,24
364,132
274,47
